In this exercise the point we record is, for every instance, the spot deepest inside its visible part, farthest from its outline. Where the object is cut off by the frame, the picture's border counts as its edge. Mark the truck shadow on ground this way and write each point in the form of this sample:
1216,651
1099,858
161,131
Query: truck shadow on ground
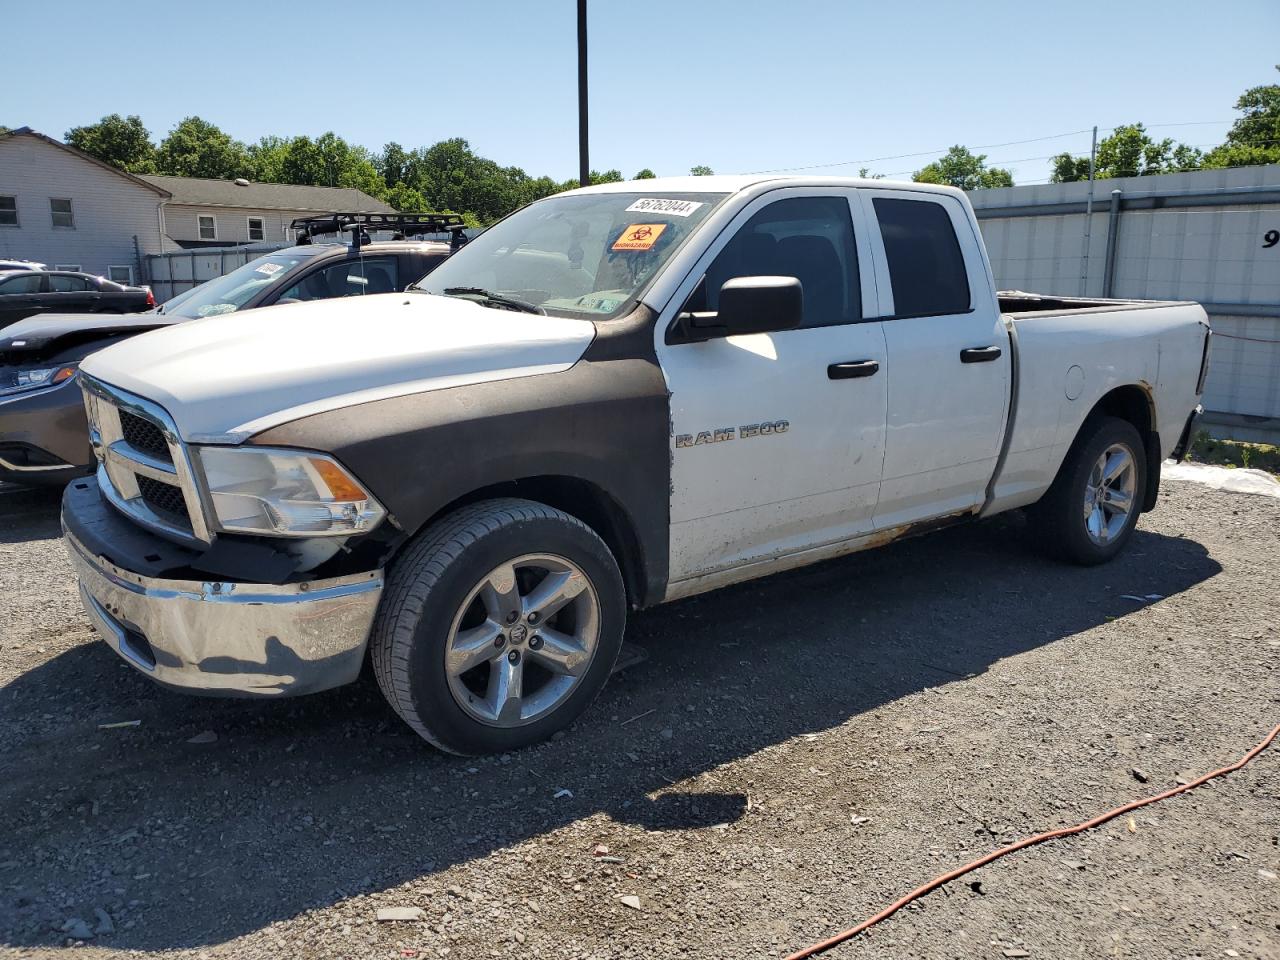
300,804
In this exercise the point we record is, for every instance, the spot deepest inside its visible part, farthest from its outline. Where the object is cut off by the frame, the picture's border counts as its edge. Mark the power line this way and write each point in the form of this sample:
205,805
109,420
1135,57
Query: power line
986,146
923,153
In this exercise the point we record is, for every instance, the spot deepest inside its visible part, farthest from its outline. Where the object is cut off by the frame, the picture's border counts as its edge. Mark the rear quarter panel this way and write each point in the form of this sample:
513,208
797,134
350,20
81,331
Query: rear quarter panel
1069,360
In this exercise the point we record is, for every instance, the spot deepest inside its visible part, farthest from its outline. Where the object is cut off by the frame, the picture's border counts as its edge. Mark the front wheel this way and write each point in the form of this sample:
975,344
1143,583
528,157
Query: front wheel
498,626
1090,512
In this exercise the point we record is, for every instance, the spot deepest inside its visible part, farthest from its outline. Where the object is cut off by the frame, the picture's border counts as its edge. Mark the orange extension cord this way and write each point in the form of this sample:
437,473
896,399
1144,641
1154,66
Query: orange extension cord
935,883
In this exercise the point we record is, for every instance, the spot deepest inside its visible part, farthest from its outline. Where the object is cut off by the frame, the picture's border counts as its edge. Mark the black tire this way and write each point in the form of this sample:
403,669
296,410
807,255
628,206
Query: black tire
430,581
1059,522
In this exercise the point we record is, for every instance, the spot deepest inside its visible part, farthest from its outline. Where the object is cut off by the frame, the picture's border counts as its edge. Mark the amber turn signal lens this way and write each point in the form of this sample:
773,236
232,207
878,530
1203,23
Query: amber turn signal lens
341,486
65,373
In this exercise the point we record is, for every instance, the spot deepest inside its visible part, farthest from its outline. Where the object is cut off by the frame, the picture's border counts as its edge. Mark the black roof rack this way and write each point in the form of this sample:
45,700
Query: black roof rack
359,225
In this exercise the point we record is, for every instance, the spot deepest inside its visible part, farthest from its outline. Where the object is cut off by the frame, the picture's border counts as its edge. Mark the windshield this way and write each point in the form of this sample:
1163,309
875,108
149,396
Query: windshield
585,255
227,294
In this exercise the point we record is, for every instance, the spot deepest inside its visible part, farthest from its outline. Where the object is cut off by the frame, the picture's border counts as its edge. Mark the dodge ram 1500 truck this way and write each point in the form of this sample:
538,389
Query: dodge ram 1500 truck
615,397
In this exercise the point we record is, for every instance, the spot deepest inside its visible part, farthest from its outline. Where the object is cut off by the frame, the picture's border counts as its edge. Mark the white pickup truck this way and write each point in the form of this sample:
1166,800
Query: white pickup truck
615,397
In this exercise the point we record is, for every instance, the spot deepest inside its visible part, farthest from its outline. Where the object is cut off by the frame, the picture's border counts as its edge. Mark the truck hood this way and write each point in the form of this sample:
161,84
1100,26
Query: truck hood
35,337
225,378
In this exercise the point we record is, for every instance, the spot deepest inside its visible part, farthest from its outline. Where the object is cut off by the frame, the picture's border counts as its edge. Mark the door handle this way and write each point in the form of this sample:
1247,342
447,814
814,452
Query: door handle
852,369
980,354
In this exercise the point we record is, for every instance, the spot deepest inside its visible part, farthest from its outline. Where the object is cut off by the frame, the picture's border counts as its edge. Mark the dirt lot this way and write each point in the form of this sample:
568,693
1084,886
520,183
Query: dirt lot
795,754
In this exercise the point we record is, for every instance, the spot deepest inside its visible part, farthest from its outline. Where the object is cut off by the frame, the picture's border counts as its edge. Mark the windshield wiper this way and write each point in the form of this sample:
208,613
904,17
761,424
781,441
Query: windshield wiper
497,299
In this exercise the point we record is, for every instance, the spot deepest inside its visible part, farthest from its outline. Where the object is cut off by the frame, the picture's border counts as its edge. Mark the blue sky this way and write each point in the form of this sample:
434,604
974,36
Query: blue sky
740,86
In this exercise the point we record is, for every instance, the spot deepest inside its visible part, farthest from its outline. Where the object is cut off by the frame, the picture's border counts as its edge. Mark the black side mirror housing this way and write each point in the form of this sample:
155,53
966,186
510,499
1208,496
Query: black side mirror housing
749,305
761,304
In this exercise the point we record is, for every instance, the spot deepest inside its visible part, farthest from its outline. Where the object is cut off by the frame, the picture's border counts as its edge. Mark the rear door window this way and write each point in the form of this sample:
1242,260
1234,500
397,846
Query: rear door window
350,278
926,266
65,284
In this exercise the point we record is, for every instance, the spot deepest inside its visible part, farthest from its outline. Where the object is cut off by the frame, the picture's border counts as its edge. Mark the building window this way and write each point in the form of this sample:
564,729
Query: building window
8,211
60,210
257,228
120,274
208,226
71,267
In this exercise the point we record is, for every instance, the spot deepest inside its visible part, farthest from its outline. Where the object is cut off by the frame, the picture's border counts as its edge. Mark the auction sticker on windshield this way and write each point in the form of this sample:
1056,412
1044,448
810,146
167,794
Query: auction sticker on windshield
676,208
269,268
639,236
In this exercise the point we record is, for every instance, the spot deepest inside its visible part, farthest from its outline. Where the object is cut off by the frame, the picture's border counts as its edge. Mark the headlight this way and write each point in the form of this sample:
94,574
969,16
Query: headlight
38,377
287,493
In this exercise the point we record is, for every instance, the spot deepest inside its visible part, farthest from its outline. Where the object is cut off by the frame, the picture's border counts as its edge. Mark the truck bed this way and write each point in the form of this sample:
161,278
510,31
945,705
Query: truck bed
1070,352
1020,303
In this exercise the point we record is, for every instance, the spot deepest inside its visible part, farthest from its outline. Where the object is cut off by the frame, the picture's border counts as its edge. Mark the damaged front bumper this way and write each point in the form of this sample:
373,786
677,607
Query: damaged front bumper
228,639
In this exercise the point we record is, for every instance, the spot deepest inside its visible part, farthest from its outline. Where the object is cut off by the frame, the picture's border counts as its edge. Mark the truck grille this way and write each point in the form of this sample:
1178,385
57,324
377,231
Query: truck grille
144,435
164,498
143,467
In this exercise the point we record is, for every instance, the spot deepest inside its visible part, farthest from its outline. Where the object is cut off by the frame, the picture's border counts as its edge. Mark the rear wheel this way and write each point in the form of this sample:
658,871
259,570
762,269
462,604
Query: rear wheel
1090,512
499,626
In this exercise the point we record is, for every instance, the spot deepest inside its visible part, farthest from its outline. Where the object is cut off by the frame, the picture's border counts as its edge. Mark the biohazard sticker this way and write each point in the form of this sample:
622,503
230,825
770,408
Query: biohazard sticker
639,236
675,208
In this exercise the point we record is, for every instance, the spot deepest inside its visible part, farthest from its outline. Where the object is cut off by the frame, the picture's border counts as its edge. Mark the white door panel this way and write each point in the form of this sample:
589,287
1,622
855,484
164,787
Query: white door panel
755,496
769,454
945,416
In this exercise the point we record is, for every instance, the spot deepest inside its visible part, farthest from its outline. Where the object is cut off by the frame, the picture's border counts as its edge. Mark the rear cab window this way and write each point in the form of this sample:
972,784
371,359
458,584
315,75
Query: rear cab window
927,270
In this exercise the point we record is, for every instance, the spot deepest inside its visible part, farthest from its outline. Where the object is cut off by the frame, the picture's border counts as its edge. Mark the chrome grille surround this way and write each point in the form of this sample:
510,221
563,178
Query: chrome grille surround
120,464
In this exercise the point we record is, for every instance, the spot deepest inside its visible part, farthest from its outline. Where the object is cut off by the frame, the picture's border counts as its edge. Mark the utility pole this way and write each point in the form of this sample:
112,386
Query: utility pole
1088,217
584,164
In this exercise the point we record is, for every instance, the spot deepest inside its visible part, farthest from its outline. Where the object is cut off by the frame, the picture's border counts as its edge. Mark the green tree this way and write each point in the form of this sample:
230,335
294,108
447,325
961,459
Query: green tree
1129,151
393,163
866,174
266,159
1255,137
453,177
961,168
608,176
120,141
197,148
1069,169
701,170
645,174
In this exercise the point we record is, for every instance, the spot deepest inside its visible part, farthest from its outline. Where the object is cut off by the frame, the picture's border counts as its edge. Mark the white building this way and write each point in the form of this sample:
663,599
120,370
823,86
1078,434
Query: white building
221,213
68,210
72,212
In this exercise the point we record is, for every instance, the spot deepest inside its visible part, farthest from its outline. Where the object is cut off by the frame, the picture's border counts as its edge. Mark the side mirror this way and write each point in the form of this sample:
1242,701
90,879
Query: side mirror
761,304
749,305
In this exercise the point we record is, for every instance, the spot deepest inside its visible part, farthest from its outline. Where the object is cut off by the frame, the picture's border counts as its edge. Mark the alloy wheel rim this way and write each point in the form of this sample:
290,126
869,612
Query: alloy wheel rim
1109,494
522,640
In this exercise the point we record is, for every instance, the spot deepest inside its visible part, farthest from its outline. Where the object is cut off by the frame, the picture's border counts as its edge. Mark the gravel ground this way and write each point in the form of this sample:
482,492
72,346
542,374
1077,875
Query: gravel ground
795,754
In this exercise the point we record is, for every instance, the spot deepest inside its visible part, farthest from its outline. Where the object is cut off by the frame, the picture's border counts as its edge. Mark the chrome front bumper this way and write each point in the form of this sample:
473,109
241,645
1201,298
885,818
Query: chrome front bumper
231,639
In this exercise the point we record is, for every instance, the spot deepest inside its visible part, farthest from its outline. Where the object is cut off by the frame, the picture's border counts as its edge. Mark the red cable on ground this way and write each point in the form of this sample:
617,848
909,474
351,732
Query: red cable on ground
919,892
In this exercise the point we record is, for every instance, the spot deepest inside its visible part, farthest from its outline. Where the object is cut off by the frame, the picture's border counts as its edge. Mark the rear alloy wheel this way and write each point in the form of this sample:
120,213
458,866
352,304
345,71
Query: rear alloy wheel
1109,494
1090,511
498,626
